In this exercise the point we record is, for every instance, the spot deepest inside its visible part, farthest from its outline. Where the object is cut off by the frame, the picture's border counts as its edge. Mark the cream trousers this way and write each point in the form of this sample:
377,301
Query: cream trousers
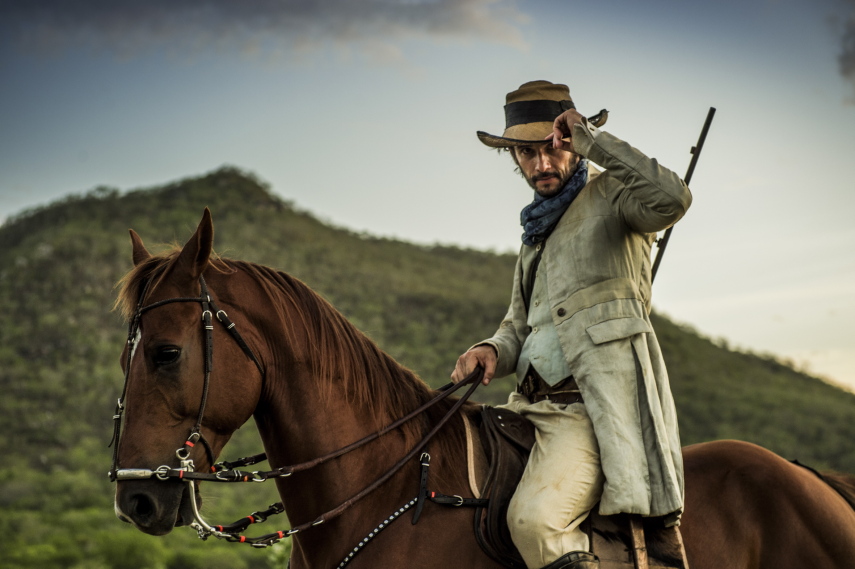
562,482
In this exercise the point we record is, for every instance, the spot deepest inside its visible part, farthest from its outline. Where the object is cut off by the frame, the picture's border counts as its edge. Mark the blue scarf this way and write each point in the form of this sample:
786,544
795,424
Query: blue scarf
541,216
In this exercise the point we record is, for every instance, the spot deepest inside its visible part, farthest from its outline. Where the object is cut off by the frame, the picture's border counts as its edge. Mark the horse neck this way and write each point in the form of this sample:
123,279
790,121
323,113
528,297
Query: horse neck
302,416
311,405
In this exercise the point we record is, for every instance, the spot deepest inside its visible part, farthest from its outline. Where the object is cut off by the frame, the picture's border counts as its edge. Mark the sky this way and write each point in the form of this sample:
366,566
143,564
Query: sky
364,112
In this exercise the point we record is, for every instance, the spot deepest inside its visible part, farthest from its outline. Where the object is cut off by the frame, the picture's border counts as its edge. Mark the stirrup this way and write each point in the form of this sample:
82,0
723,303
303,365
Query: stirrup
639,543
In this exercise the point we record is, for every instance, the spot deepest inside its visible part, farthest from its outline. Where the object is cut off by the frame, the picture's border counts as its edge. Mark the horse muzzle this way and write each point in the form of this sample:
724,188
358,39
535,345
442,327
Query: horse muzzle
153,506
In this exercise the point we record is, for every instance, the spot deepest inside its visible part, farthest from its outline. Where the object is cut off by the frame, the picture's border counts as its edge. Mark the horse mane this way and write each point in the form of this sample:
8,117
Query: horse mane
343,359
131,285
348,361
844,484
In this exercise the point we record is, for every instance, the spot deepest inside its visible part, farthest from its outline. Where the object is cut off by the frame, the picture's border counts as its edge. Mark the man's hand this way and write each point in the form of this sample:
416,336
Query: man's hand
484,356
563,127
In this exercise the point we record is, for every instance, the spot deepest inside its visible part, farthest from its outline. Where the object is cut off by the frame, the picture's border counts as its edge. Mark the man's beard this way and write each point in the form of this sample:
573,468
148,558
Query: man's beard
543,175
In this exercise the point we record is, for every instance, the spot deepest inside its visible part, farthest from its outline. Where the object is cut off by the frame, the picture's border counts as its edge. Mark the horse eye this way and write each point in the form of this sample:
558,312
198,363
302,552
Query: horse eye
166,355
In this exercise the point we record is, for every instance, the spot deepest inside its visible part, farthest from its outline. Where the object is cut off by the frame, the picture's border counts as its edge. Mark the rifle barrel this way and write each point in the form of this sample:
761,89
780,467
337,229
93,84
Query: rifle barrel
696,152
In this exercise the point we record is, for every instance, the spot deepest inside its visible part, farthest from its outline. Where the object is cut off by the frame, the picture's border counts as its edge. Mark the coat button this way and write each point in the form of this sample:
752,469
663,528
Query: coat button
561,312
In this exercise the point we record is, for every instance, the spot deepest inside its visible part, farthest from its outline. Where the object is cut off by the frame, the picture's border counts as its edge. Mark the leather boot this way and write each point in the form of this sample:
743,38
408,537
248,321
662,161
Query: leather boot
575,560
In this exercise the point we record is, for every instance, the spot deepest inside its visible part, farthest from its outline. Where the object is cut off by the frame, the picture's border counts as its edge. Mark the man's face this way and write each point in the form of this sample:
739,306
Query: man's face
545,168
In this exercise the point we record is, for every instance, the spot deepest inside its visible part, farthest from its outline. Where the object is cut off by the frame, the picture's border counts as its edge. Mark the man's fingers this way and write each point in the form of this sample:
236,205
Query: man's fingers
484,356
554,137
563,126
457,375
489,364
462,369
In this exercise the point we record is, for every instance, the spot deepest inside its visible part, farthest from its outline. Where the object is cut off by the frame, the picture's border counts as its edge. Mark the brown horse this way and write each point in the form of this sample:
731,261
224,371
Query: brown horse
319,385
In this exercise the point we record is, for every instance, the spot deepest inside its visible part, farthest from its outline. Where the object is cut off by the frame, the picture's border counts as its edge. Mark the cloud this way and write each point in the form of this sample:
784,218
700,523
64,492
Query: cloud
127,27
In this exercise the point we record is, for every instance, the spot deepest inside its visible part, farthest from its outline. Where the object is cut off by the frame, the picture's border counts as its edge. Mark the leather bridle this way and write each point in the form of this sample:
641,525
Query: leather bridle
226,471
209,309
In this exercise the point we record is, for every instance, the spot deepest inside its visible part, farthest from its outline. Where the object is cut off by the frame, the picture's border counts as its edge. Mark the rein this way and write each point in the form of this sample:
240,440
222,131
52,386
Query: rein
225,472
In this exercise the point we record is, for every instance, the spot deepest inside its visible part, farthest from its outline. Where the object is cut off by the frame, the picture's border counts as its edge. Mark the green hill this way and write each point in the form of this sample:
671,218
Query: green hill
60,344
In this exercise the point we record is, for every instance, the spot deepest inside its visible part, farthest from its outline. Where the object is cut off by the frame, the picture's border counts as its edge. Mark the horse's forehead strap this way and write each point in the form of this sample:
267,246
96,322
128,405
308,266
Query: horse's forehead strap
208,307
204,296
143,309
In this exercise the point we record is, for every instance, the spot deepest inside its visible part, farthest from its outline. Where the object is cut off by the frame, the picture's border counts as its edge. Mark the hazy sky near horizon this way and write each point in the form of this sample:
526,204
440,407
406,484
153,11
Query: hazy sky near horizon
364,112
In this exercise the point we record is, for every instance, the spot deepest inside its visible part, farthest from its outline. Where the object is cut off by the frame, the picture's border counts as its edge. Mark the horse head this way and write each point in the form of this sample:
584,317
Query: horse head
320,391
182,401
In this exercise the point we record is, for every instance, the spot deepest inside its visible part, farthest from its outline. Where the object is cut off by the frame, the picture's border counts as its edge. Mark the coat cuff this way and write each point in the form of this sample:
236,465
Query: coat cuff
584,136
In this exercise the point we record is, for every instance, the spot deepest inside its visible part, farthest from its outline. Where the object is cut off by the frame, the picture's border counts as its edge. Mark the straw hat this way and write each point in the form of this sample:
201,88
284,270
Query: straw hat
530,112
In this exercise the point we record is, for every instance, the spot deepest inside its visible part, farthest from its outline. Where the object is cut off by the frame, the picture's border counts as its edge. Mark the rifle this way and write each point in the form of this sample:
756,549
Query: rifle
696,152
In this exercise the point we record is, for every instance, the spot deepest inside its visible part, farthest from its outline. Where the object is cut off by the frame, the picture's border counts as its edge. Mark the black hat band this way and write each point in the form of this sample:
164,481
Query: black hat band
524,112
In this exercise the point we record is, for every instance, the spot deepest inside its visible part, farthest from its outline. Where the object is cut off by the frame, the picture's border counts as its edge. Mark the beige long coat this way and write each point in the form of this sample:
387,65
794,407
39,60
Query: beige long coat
598,276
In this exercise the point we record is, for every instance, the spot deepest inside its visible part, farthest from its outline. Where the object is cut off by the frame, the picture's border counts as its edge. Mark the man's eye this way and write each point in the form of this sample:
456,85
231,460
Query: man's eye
166,355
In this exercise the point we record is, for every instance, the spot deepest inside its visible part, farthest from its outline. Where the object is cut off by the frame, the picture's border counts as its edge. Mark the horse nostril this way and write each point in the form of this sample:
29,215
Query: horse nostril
142,506
150,507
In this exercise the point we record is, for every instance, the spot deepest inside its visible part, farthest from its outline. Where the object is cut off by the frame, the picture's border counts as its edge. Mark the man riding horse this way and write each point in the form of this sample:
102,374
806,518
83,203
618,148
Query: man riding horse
590,374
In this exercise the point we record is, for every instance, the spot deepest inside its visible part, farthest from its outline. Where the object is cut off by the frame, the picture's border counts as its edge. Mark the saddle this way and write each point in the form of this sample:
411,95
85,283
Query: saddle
507,438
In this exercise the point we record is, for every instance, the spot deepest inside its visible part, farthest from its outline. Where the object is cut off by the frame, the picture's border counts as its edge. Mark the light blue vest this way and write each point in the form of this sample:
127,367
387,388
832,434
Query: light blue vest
542,349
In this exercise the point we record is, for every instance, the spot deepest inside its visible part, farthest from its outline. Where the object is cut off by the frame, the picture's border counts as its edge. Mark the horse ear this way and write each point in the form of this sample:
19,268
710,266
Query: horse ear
194,256
140,253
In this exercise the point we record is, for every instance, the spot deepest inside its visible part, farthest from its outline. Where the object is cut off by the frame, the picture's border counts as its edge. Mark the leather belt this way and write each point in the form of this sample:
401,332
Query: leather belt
536,389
